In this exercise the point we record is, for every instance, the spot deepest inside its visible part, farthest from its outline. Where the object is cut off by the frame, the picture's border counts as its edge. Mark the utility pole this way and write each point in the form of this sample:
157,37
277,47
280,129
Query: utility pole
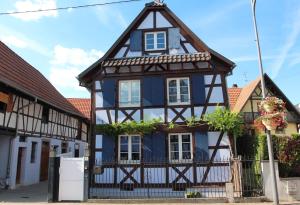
263,87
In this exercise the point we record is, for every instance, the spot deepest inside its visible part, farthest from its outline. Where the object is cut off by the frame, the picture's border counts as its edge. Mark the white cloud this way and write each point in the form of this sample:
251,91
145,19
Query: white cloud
291,40
67,63
30,5
14,41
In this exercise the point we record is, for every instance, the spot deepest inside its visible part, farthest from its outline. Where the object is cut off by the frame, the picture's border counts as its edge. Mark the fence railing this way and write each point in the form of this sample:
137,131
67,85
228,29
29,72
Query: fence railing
162,178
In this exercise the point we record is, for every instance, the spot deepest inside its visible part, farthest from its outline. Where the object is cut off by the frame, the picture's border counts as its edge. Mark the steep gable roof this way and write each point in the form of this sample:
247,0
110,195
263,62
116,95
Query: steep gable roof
165,11
20,75
83,105
247,91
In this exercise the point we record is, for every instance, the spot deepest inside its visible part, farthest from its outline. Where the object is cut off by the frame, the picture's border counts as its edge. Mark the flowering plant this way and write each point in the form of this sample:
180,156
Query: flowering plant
272,114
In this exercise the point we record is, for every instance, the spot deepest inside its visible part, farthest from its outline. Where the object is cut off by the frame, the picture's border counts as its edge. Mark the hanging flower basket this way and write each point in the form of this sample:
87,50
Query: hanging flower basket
272,114
272,104
268,124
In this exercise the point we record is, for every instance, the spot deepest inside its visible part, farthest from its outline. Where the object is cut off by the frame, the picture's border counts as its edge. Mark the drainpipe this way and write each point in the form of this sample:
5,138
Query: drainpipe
11,140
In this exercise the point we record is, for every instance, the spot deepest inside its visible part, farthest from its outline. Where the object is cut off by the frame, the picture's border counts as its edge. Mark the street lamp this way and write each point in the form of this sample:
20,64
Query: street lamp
263,87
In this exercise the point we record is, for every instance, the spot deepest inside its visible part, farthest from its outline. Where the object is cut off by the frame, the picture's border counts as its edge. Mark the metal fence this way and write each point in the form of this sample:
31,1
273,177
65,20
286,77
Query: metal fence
162,179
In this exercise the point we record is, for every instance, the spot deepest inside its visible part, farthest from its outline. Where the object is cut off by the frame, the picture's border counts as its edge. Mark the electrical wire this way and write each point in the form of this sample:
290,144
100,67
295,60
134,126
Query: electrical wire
68,7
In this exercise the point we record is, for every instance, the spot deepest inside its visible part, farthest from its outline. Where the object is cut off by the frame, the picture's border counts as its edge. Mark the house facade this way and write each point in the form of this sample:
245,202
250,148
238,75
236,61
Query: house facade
246,101
34,116
158,68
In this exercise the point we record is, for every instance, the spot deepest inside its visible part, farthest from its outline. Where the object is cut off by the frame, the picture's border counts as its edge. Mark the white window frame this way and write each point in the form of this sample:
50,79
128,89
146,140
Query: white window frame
129,161
178,91
129,95
155,40
180,147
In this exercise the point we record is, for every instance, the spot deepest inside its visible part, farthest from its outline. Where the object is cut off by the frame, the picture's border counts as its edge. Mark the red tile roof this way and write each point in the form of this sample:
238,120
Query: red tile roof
17,73
83,105
233,94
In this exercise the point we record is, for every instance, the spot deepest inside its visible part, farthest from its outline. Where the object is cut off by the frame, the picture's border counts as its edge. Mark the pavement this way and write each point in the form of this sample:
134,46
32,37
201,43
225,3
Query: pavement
37,194
26,194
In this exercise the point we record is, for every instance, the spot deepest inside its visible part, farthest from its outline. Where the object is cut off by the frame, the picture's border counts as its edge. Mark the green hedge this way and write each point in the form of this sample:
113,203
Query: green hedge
286,151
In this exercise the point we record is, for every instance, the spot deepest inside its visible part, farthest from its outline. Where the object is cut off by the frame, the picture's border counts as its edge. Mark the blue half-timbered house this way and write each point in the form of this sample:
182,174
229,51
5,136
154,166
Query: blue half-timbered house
158,68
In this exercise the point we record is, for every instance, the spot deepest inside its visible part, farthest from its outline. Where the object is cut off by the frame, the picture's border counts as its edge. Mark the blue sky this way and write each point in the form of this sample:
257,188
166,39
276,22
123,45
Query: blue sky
62,44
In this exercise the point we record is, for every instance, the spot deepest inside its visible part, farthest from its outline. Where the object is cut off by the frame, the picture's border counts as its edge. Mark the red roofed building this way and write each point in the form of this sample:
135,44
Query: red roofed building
83,105
34,117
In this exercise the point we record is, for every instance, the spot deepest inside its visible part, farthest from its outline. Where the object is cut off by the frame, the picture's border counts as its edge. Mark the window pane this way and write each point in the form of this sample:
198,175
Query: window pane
186,147
184,90
124,139
135,92
124,148
160,35
135,139
173,99
173,138
135,156
124,156
150,41
172,83
184,82
174,147
184,98
98,141
186,138
186,155
124,92
174,155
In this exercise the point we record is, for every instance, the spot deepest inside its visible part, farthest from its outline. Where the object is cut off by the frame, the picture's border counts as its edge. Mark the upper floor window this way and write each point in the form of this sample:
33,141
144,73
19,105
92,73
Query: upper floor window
129,93
155,41
45,115
178,91
130,148
180,147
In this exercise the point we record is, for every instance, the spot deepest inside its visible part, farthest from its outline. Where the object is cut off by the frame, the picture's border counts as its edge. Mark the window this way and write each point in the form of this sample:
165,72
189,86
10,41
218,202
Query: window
129,93
178,91
2,107
64,147
180,147
76,151
129,148
33,152
45,115
155,41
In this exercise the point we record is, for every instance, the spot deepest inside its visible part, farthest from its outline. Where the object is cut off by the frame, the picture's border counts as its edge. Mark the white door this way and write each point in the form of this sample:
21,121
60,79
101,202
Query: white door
71,179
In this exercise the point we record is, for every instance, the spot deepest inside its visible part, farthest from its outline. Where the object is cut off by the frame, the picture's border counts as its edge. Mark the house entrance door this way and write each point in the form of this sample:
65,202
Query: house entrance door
44,161
19,164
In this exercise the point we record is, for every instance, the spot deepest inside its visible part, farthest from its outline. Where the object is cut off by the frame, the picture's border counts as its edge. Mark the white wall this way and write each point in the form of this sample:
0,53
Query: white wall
288,188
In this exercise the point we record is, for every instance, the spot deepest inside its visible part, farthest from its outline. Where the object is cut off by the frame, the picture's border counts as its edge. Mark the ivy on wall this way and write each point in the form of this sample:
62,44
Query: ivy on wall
220,120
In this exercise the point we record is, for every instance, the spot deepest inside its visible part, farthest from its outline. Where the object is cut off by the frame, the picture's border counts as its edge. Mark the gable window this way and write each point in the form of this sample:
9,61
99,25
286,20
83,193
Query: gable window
129,93
155,41
130,148
2,107
178,91
180,147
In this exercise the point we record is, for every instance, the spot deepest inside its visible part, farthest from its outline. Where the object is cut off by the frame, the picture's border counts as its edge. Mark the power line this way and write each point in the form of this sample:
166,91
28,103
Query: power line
68,7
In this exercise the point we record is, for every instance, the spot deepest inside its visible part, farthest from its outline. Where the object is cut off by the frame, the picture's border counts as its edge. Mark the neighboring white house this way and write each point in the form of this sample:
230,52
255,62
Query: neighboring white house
33,117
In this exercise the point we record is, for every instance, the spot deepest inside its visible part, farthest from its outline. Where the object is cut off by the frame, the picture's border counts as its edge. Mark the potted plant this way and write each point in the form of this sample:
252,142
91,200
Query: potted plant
272,114
272,104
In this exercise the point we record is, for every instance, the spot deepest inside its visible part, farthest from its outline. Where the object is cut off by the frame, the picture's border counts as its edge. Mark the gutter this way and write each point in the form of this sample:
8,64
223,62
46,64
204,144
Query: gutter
11,140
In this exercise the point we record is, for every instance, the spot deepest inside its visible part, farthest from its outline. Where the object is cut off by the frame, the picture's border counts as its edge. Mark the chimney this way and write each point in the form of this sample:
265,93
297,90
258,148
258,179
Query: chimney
235,86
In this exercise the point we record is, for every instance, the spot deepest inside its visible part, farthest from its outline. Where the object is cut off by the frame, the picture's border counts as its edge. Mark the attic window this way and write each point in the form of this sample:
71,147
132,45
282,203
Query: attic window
155,41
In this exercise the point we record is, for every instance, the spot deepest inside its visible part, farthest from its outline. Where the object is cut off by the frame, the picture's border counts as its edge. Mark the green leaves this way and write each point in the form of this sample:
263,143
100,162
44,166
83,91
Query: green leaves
226,121
132,127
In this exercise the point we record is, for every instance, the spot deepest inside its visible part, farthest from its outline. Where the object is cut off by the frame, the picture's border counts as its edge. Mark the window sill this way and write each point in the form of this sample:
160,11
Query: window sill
129,105
129,161
181,161
181,103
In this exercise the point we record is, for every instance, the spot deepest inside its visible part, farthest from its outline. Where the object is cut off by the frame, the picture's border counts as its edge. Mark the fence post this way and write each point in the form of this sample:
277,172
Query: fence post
51,169
86,172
